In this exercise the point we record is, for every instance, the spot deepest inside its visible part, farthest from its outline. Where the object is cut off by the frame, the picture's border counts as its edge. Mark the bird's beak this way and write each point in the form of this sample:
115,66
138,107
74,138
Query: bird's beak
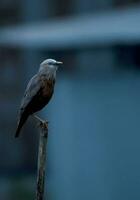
59,62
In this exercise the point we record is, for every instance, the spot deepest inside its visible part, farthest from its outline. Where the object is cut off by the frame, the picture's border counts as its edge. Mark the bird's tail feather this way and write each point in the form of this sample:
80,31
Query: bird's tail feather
20,124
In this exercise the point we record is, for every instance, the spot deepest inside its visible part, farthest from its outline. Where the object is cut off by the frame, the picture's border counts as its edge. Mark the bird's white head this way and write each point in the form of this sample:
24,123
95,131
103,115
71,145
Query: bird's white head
49,67
51,63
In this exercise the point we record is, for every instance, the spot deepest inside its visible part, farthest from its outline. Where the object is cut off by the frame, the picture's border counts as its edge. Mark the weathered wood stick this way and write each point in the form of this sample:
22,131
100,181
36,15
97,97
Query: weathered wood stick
43,126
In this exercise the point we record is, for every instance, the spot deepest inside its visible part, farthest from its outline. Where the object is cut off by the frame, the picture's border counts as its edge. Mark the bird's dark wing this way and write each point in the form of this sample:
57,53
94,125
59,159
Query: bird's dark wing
33,87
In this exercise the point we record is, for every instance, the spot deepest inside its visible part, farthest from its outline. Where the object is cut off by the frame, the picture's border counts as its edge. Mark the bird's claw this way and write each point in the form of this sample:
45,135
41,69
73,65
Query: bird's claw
41,122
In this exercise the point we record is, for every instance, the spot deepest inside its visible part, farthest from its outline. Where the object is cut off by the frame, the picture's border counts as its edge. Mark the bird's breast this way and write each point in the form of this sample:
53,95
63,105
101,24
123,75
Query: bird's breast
47,87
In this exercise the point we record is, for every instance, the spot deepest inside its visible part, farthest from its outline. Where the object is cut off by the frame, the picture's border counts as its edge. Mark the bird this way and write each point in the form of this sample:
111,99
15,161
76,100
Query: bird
38,91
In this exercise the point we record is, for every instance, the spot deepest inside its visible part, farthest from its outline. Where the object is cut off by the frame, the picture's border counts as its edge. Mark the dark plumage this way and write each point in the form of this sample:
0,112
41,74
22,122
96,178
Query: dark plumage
38,92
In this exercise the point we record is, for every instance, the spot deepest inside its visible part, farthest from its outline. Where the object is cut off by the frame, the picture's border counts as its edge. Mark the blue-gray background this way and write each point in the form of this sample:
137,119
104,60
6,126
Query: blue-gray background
94,130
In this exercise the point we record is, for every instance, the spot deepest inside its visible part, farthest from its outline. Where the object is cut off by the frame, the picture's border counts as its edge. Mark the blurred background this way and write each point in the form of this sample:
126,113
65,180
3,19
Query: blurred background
94,130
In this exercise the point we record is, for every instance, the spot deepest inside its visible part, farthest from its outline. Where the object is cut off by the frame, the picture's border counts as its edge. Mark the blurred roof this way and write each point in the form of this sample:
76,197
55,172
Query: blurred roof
114,27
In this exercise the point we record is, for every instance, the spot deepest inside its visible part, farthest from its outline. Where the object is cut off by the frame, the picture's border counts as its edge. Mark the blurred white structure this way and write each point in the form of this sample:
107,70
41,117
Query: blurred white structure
108,28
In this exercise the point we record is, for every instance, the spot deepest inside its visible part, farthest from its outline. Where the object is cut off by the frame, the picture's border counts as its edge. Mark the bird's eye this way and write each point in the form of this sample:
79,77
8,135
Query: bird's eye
51,63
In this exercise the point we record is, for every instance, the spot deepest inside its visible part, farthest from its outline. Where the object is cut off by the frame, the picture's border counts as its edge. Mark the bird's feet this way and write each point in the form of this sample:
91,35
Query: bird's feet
42,123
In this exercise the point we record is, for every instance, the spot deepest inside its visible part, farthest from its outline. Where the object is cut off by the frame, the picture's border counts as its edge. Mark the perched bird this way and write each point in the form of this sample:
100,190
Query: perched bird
38,92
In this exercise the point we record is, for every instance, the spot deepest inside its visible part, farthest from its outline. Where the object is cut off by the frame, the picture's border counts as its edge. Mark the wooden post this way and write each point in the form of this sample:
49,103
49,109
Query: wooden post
43,126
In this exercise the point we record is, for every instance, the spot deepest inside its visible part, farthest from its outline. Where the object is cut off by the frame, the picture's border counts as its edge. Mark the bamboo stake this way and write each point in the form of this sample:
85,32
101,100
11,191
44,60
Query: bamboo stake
43,126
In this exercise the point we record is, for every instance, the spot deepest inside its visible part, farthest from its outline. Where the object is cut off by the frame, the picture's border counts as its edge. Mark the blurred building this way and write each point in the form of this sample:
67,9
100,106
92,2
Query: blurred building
94,115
